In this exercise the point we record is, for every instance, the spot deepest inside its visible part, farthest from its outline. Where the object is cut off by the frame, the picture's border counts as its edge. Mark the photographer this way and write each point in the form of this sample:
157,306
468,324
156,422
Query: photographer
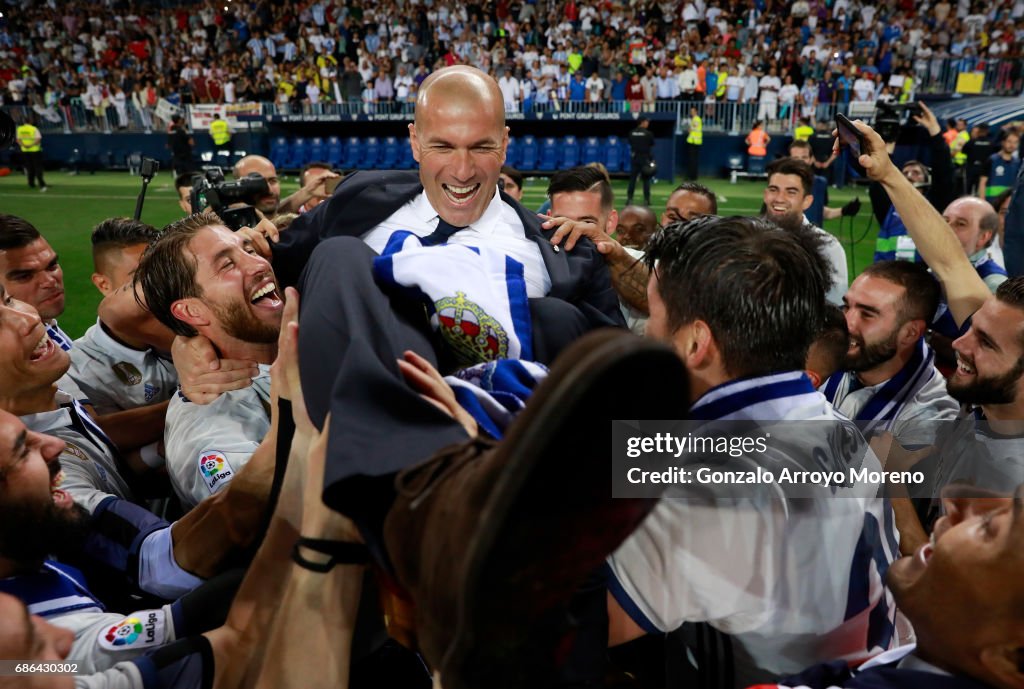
935,184
270,203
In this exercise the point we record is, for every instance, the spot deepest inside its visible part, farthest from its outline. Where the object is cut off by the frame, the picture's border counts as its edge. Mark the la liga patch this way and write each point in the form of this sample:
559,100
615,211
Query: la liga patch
215,469
141,630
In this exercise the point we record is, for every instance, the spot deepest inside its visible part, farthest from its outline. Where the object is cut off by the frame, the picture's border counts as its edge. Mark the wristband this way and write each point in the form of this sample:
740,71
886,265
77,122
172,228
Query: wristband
338,552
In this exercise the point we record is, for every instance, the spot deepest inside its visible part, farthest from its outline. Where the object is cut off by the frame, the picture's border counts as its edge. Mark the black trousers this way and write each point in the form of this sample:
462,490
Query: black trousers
34,168
692,161
637,166
352,335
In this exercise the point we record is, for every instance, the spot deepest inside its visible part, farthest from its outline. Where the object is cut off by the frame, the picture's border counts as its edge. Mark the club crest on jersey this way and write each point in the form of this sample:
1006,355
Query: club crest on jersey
127,373
214,468
474,336
75,451
142,629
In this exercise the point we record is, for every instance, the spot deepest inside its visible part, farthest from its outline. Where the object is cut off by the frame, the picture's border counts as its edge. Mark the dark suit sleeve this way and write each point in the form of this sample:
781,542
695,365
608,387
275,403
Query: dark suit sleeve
942,191
595,296
880,202
297,242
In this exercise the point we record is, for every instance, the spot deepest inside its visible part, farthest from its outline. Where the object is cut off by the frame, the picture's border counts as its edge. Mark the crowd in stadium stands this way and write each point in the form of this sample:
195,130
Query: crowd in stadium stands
546,55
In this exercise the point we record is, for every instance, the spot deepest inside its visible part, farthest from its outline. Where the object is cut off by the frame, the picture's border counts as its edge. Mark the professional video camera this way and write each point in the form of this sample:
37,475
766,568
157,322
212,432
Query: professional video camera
890,117
232,201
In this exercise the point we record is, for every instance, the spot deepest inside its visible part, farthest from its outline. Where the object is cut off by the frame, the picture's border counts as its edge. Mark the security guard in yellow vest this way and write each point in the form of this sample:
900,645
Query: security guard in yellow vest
221,134
30,142
694,140
804,132
956,147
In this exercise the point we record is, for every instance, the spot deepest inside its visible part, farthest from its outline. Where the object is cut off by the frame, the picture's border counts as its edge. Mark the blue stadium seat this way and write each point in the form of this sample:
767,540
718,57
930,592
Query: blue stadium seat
371,153
335,153
279,151
353,153
407,162
591,151
627,157
548,154
512,153
528,153
317,151
299,153
570,152
390,154
613,154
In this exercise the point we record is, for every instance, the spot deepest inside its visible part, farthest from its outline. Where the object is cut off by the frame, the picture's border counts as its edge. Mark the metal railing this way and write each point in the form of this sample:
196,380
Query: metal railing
932,76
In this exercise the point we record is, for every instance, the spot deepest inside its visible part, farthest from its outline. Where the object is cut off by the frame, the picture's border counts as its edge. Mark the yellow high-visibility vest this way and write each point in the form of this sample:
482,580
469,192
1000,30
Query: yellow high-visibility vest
27,135
219,132
803,133
696,135
961,139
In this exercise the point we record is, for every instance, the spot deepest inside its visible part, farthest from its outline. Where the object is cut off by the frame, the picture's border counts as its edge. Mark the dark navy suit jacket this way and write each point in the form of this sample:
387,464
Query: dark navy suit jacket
365,199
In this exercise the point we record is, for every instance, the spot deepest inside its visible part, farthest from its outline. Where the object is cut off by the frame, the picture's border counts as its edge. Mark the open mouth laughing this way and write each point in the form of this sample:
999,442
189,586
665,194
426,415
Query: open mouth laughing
460,196
266,295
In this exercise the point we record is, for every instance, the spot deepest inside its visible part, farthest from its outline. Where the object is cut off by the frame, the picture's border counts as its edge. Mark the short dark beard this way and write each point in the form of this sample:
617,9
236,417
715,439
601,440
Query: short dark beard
1001,389
31,533
872,355
239,323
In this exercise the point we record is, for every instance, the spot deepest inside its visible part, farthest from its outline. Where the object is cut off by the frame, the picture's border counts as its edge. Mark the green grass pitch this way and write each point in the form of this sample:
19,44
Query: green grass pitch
67,213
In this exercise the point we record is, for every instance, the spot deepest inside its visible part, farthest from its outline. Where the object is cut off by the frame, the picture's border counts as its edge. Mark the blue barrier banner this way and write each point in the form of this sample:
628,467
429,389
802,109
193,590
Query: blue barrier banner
517,116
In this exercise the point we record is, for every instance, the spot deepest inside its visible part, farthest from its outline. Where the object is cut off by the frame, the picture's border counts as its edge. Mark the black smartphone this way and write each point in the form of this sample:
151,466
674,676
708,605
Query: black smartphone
851,139
850,136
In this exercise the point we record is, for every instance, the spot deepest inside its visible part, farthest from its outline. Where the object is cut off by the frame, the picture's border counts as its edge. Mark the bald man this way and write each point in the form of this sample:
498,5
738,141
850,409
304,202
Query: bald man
459,139
311,193
357,330
636,224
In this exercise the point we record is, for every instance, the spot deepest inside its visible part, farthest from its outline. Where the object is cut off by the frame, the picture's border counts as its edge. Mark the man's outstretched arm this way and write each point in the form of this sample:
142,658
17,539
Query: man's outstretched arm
965,291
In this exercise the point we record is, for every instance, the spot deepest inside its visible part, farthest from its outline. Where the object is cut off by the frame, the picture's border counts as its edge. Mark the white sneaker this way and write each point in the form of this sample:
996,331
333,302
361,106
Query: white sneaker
42,189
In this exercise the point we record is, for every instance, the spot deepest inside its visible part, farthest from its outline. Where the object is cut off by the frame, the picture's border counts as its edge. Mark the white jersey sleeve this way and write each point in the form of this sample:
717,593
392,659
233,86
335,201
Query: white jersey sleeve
124,675
103,639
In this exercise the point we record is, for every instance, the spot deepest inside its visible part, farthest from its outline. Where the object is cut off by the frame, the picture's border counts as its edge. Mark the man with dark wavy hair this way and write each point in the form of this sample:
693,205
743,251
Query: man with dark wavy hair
741,301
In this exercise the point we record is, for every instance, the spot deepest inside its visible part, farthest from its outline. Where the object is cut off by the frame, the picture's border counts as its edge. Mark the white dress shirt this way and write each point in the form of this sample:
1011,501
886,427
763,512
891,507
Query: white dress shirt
499,227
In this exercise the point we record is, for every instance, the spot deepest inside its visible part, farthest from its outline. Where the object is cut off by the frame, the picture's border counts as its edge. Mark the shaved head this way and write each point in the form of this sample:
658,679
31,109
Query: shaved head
459,87
459,139
264,168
